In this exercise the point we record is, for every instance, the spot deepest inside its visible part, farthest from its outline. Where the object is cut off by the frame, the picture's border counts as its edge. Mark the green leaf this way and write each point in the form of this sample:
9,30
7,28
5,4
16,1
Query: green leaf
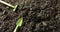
19,22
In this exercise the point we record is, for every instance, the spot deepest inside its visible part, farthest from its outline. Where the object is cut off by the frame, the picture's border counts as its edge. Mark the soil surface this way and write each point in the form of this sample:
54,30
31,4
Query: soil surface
39,16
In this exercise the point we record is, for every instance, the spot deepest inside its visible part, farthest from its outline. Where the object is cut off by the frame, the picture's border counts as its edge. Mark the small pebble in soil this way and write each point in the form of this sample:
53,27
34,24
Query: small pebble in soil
44,23
58,16
1,12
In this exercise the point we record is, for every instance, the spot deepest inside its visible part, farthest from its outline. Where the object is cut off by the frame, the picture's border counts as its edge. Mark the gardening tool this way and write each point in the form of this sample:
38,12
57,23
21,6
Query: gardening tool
14,7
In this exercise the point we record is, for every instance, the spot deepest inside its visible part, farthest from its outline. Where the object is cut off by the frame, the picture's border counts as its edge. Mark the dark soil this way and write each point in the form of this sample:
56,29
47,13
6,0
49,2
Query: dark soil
39,16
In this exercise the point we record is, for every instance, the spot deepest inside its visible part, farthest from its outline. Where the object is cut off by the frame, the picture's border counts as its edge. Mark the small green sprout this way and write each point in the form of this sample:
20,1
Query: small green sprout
18,24
14,7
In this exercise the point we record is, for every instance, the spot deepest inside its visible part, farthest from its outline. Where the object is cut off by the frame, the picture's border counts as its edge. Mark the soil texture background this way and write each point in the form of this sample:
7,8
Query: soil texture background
39,16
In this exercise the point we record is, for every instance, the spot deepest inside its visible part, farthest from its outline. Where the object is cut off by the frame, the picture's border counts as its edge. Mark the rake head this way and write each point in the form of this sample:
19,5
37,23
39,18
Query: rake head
15,7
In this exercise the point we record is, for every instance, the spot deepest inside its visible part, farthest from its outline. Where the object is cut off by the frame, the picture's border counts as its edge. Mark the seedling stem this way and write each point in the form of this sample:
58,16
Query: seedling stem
15,29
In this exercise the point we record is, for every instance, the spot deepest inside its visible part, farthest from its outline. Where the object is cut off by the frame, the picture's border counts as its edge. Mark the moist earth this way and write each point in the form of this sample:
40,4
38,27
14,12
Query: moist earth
38,15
